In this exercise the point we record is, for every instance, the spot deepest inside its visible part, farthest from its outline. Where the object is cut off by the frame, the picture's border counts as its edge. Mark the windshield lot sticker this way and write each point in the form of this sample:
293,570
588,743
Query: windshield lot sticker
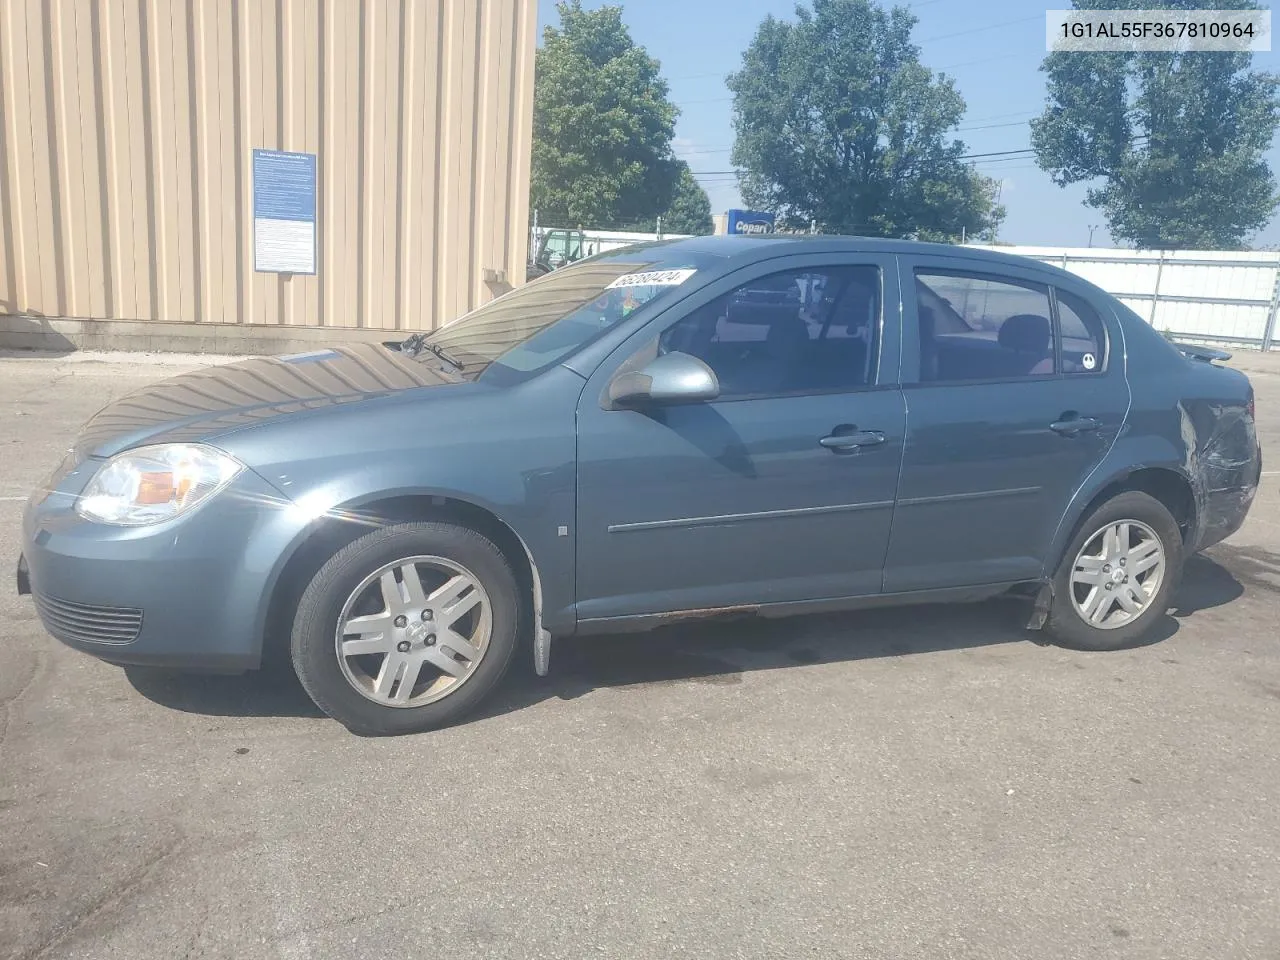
654,278
1088,361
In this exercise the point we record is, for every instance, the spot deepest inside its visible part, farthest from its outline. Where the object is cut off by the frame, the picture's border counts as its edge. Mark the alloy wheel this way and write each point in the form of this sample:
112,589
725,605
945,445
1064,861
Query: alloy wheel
413,631
1116,574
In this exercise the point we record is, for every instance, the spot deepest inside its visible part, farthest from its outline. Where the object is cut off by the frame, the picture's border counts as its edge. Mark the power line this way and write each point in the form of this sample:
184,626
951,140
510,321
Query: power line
994,153
697,76
992,126
721,74
1028,156
1007,169
944,36
960,129
967,156
990,26
688,103
970,63
945,66
1024,153
1021,153
989,126
1003,116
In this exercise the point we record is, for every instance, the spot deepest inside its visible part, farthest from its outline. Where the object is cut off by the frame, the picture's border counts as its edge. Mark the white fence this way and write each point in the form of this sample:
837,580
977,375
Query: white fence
1213,295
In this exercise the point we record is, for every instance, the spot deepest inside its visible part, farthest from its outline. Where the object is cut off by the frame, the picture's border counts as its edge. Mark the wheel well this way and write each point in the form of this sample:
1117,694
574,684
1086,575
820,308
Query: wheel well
1170,488
330,534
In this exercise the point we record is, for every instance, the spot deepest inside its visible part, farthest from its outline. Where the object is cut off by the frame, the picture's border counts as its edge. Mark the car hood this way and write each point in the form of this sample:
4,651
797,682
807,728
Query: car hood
206,403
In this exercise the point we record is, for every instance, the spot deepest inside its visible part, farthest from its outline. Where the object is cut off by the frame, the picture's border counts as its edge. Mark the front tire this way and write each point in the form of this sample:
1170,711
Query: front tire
407,629
1117,575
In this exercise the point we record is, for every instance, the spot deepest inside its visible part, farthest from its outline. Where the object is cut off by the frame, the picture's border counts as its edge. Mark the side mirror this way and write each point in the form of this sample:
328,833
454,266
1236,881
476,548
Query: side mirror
668,379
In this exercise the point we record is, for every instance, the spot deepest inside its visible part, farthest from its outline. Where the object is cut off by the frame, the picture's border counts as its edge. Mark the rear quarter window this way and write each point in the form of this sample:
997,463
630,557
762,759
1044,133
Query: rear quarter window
1084,338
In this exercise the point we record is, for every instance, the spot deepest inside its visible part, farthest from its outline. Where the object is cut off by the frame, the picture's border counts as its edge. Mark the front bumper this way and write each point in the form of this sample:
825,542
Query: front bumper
24,576
189,593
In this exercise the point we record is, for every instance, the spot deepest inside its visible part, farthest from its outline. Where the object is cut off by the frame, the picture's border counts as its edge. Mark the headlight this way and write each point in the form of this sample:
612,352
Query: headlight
152,484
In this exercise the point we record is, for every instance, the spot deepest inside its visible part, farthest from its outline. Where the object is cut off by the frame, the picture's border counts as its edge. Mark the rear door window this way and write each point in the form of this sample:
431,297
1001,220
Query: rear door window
975,327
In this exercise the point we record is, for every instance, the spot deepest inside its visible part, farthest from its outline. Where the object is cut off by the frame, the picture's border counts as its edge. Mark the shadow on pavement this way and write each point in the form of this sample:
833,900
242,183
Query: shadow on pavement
1251,566
270,692
710,653
1205,584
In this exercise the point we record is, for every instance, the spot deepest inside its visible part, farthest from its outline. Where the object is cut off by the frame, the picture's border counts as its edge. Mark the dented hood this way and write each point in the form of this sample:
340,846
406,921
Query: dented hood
200,405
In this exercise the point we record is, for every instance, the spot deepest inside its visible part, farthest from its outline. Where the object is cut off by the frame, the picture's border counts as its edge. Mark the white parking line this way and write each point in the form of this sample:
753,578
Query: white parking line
12,499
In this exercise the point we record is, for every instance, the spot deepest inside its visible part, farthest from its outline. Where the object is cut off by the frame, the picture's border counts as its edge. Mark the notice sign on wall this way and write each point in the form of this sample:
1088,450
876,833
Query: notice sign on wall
284,212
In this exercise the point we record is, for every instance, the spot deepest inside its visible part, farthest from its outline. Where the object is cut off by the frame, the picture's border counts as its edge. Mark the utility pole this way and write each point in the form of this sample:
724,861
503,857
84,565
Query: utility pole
1092,227
995,233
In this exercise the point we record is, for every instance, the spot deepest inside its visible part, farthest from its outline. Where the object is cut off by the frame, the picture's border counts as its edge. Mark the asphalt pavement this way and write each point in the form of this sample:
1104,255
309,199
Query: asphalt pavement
916,783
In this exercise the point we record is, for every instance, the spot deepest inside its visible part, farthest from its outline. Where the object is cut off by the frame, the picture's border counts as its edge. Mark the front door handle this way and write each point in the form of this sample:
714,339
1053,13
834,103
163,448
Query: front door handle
852,440
1075,425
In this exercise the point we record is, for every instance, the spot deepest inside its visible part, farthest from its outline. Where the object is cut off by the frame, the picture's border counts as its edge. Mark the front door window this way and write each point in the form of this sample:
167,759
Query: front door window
795,332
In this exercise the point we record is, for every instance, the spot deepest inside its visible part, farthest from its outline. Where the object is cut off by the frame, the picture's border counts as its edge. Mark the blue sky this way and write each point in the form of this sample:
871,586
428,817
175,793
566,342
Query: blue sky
992,49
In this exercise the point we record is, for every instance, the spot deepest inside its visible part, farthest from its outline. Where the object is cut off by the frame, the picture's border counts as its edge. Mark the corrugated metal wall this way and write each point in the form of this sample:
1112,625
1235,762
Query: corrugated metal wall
126,136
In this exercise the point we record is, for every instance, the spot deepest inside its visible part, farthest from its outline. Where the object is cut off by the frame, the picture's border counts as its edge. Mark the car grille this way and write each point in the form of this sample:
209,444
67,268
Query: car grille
82,623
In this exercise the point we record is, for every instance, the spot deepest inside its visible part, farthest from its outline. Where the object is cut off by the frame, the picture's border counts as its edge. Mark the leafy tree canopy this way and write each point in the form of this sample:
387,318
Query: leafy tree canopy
837,120
602,125
690,210
1173,142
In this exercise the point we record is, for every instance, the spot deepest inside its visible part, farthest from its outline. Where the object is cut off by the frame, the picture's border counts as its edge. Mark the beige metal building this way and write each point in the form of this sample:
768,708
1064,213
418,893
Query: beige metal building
134,211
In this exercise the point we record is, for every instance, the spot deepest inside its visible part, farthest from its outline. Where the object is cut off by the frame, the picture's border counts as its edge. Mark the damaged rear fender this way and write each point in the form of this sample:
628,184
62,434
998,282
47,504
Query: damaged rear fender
1224,462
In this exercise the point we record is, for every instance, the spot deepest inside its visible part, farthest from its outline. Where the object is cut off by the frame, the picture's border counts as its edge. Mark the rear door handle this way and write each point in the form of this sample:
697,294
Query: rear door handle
852,441
1076,425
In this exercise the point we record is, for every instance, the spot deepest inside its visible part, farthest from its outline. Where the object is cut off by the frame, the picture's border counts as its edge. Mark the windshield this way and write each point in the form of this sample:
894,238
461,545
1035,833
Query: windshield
544,321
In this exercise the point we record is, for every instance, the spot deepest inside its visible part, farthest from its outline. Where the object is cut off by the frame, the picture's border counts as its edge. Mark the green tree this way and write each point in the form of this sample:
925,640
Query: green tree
837,121
1176,139
690,210
602,125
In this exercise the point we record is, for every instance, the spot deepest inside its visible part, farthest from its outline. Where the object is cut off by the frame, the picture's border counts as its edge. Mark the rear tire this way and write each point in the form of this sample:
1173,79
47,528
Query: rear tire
407,629
1117,575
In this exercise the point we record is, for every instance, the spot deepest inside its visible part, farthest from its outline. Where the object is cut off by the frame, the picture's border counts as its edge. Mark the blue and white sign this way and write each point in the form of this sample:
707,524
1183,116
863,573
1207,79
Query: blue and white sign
284,212
749,222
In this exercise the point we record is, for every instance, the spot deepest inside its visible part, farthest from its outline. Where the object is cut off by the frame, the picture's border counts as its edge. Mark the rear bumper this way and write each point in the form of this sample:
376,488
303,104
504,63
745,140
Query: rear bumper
190,593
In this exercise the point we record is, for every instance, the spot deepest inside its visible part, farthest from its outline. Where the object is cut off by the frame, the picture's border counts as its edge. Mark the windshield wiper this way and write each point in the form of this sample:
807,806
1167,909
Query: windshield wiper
419,342
444,355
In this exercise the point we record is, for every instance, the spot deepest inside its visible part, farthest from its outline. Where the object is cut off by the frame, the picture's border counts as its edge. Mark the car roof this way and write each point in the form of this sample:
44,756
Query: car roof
748,249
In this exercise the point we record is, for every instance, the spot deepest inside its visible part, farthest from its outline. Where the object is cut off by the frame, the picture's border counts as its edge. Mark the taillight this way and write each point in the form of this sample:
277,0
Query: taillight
1249,406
